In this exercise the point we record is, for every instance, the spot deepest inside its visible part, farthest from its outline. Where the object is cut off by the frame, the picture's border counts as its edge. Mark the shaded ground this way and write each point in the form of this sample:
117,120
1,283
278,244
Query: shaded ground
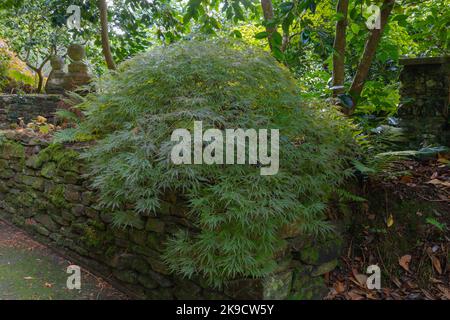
404,228
29,270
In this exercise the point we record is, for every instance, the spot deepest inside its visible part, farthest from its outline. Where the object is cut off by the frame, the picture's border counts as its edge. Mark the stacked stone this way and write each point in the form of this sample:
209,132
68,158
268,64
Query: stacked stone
55,81
78,74
42,189
424,106
27,107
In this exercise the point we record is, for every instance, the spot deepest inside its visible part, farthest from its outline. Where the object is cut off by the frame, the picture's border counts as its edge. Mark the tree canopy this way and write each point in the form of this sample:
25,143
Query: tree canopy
325,43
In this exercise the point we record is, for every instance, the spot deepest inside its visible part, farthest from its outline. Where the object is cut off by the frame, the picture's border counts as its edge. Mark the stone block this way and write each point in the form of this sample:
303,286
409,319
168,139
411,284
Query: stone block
273,287
155,225
46,221
307,287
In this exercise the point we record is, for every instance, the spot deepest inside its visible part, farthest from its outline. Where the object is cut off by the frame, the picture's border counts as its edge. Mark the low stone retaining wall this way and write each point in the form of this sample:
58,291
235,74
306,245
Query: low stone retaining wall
425,99
42,190
27,107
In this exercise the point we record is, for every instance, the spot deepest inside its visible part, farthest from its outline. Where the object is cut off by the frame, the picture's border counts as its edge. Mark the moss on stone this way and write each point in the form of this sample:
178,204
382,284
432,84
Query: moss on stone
98,225
139,237
306,287
277,287
56,197
65,159
12,149
126,276
46,221
110,251
155,225
324,268
90,237
3,164
6,174
49,170
33,162
310,255
36,183
95,237
25,199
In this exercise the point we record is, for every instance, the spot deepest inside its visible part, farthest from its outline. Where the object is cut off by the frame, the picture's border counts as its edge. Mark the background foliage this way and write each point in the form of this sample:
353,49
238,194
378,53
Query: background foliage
414,29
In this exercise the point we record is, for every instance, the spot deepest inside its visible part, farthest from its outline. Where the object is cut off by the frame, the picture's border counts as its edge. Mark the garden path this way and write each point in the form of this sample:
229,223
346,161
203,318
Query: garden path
31,271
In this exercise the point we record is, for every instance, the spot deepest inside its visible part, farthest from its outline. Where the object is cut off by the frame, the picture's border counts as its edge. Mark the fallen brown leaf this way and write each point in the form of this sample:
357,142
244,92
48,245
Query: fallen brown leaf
434,280
439,182
405,261
428,295
371,296
436,264
396,296
406,179
354,295
411,284
361,279
445,291
339,286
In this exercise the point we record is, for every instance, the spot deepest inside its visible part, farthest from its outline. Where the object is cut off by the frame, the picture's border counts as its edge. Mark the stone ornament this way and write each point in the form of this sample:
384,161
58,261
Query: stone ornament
55,81
78,74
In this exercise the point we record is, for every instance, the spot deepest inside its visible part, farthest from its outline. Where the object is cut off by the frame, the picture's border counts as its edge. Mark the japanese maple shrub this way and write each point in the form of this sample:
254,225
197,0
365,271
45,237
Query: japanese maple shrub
238,211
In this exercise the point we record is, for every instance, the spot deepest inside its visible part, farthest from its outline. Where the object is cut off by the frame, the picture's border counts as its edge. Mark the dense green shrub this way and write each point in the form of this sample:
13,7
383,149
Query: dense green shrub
15,77
239,212
4,63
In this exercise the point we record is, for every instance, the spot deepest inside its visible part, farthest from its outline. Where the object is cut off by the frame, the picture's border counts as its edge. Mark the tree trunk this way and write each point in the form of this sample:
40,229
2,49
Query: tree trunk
339,49
368,55
285,41
105,36
38,71
41,81
267,9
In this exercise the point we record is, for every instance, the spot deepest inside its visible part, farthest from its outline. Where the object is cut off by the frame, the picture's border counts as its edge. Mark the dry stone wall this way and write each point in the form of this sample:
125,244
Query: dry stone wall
43,190
425,93
27,107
